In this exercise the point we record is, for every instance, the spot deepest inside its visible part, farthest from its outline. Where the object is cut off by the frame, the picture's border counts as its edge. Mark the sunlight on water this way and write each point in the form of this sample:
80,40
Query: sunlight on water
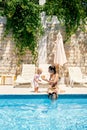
43,114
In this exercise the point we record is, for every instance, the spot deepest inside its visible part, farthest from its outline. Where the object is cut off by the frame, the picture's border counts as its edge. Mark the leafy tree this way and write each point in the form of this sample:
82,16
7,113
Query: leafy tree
72,13
23,19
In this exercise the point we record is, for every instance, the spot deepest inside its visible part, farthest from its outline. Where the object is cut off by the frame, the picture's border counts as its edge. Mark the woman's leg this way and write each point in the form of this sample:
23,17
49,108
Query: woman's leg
54,95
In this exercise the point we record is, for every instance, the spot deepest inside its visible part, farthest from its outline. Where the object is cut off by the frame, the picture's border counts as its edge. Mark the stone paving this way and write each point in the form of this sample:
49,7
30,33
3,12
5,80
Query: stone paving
8,89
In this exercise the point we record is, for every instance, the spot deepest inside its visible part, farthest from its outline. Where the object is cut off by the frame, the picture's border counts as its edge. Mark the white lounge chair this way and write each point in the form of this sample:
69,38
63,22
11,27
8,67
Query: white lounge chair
76,76
44,68
45,73
0,79
27,75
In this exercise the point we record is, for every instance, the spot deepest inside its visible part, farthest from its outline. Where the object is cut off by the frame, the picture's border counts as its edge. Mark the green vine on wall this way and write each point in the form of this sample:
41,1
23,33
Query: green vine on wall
71,13
23,19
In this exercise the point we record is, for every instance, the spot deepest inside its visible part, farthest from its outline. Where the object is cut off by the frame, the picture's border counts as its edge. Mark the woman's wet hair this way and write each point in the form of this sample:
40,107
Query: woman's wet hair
52,69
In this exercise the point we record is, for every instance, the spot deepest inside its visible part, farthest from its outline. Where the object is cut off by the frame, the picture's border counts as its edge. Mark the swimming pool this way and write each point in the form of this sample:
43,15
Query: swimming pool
37,112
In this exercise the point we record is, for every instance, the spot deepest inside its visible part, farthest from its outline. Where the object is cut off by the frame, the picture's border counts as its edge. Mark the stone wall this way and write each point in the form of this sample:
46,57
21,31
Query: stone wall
76,51
9,58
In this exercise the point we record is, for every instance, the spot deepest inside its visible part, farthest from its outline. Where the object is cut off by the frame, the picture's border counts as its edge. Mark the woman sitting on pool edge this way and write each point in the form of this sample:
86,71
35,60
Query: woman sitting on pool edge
53,81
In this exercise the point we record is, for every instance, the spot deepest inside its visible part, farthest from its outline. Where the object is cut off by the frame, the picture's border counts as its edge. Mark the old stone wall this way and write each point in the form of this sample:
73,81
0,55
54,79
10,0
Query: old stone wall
9,58
75,49
76,52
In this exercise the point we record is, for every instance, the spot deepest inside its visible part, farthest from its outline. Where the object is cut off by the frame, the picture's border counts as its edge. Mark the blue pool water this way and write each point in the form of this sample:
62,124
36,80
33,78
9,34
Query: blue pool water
37,112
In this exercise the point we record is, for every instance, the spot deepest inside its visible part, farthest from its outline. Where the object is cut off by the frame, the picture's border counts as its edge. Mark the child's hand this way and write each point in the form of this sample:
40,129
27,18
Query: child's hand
44,78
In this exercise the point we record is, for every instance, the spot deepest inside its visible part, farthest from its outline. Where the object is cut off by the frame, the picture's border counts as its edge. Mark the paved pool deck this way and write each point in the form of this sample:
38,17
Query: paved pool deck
9,90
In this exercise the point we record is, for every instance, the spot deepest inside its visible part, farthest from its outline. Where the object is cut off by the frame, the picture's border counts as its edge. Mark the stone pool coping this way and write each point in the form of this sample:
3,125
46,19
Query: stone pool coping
8,89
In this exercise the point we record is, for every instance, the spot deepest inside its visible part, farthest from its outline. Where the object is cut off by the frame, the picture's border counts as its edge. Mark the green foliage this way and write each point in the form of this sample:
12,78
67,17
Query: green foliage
23,19
72,13
1,8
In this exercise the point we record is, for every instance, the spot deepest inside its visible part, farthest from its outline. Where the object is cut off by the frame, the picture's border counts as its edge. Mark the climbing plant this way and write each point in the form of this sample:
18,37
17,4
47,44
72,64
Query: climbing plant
23,19
71,13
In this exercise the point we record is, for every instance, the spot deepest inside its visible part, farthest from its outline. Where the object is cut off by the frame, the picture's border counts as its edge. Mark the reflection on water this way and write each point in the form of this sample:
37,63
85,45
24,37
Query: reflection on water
35,114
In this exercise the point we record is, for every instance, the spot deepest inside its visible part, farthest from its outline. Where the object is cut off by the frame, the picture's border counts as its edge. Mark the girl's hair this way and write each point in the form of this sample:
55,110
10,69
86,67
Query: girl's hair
52,69
39,70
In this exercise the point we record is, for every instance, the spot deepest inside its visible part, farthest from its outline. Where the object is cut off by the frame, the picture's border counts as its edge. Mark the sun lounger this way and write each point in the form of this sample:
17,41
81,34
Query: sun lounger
27,75
45,73
76,76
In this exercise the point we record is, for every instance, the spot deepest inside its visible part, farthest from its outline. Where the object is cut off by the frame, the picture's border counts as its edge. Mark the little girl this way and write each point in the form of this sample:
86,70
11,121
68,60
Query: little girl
37,79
